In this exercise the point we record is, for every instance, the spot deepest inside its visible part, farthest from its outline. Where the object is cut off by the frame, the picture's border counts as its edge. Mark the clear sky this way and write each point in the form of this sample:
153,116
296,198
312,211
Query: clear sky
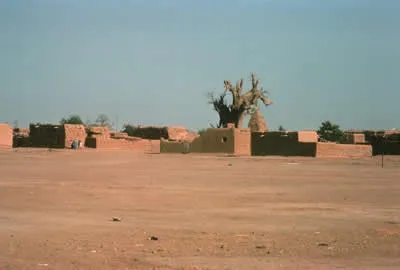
153,62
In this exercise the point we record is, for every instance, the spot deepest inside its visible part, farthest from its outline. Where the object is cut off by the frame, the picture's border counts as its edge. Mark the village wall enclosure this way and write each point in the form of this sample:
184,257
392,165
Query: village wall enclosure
230,140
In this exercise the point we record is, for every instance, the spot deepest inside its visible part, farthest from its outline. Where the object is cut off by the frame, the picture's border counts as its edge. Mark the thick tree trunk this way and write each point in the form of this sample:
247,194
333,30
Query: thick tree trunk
239,121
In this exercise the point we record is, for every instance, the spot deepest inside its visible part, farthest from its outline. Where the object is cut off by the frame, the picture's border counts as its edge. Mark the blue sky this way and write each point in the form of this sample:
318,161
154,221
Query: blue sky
153,62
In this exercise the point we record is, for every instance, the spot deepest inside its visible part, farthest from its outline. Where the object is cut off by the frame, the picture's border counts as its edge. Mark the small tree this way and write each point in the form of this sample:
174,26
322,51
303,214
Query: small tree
102,120
330,132
72,119
281,129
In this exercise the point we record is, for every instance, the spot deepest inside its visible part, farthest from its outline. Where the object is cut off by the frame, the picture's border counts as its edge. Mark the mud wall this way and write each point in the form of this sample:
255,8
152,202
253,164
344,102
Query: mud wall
172,147
6,136
283,144
387,146
168,133
215,140
242,139
333,150
47,136
95,131
144,146
354,138
74,132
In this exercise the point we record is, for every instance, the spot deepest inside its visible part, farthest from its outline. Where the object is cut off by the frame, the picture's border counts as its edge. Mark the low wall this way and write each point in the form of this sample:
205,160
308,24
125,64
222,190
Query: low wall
386,148
283,144
333,150
172,147
387,144
145,146
21,141
6,136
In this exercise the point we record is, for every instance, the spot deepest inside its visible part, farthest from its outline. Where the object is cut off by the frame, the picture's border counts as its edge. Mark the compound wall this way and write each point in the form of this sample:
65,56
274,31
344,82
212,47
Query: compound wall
141,145
283,144
74,132
214,140
169,133
242,142
55,136
47,136
6,136
334,150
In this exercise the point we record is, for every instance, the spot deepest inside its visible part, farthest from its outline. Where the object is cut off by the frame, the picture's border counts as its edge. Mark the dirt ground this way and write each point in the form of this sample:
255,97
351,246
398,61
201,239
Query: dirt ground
56,211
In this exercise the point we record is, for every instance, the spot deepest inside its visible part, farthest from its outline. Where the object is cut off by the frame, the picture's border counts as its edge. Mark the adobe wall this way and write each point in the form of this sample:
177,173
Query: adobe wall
74,132
218,140
6,136
306,136
95,131
387,146
354,138
47,136
144,146
334,150
172,147
284,144
214,140
168,133
242,139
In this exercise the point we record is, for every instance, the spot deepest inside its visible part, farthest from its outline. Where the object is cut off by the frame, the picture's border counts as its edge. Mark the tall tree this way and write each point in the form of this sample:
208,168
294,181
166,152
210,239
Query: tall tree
242,103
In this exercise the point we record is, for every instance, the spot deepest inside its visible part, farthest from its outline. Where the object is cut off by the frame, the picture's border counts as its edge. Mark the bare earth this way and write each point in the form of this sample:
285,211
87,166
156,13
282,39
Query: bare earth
56,211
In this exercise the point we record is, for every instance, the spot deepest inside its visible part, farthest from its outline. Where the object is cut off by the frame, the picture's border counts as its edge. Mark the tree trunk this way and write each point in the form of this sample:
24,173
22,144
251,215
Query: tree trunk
239,121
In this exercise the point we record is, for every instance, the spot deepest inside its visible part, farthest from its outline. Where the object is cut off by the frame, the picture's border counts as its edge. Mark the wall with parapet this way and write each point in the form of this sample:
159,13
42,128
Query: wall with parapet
6,136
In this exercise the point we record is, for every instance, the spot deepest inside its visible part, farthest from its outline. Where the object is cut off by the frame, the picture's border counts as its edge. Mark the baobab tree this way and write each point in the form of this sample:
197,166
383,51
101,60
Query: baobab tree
242,103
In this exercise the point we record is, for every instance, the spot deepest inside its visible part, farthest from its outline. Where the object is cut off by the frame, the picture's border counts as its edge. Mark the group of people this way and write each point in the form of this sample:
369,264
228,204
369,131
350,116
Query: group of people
76,144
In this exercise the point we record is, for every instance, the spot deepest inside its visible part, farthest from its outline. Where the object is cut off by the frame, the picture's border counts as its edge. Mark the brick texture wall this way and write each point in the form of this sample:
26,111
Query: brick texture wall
333,150
74,132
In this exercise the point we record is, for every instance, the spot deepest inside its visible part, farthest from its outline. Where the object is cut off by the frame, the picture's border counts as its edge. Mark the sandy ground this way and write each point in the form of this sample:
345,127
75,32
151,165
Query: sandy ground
56,211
